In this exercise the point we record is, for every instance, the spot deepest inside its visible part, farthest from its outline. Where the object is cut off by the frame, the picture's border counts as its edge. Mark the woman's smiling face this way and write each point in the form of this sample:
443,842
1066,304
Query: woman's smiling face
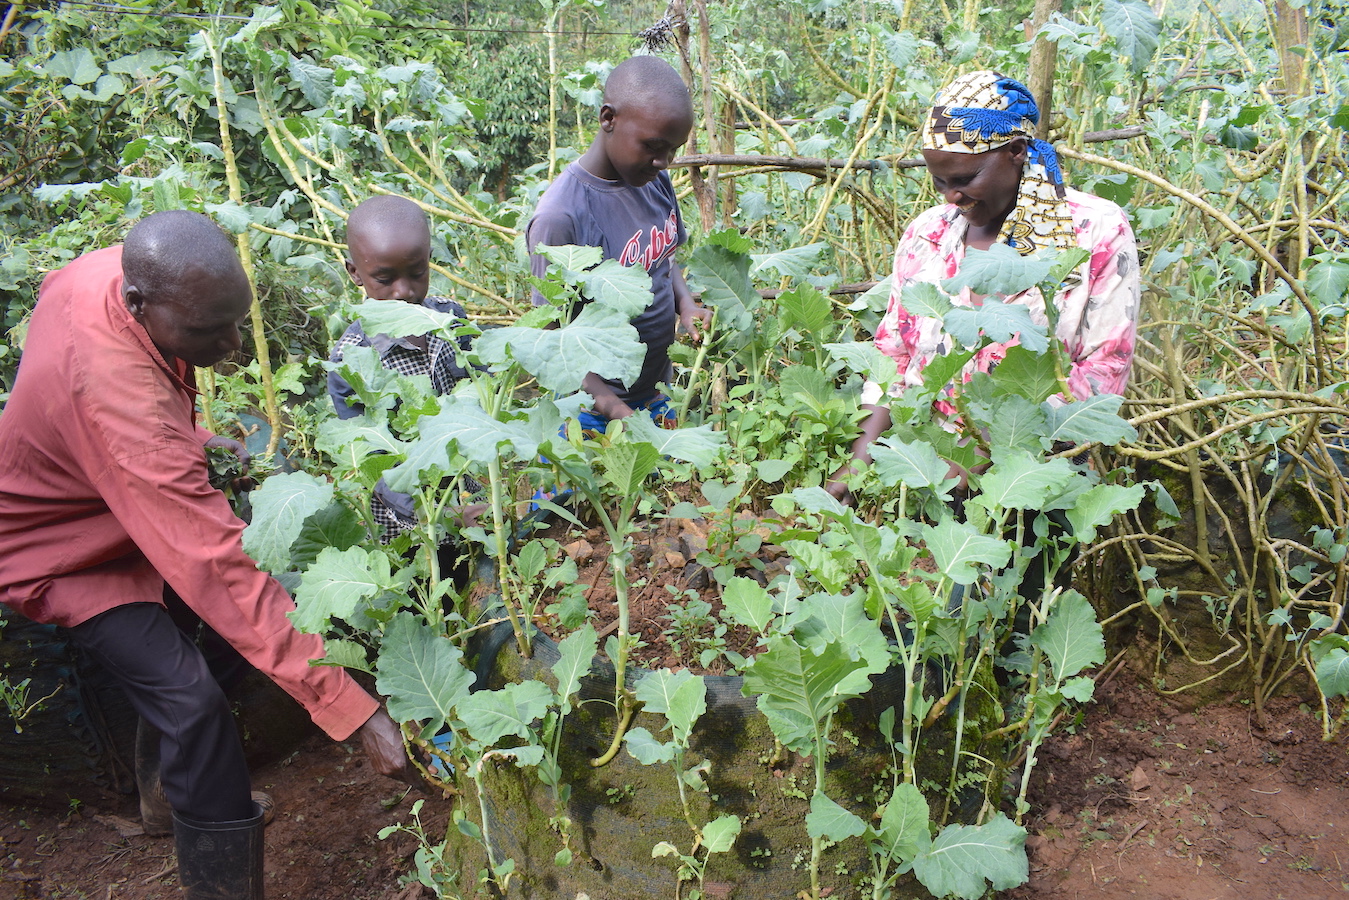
983,185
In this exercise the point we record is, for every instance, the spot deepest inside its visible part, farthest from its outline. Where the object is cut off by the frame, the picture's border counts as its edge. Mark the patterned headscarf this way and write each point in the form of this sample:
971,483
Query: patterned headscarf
983,111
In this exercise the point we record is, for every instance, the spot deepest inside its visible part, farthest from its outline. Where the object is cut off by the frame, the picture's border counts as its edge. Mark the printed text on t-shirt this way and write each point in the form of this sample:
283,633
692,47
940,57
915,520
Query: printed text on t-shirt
660,245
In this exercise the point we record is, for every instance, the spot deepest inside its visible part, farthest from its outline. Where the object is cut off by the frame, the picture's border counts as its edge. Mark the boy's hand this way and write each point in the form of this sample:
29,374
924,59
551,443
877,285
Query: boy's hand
694,321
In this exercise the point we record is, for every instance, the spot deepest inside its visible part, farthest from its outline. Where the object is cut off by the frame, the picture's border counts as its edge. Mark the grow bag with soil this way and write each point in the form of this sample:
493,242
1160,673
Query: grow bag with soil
622,810
80,743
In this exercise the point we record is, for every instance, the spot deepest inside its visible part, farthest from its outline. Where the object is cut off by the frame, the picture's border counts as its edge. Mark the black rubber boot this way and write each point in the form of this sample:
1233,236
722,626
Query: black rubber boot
220,860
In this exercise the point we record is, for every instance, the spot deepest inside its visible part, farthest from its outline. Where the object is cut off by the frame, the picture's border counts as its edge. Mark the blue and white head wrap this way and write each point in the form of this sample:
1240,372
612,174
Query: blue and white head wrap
983,111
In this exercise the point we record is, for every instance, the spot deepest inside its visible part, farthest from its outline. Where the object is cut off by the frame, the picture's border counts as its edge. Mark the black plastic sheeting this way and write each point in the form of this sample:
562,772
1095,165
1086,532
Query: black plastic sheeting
80,744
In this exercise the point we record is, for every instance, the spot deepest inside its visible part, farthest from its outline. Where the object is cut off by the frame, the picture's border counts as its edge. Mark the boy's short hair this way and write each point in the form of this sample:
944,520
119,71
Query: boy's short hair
642,80
386,214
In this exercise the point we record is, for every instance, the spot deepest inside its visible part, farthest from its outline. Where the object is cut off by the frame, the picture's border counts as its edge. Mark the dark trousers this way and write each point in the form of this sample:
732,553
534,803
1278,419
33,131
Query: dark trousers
170,683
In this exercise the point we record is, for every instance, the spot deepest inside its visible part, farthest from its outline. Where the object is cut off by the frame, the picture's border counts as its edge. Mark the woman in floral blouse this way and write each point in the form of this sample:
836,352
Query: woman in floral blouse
1002,185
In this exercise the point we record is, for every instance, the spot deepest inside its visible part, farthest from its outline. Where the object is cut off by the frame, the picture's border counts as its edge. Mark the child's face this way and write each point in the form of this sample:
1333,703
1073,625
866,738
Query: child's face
390,268
642,140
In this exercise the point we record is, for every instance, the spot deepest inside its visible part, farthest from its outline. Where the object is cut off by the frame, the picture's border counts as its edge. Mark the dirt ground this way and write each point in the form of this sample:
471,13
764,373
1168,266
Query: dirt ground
1141,798
1142,801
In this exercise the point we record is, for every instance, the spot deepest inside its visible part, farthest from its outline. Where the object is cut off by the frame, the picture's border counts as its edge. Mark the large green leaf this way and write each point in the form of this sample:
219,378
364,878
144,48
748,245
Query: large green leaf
627,465
723,278
833,568
1093,419
572,259
491,715
336,525
335,585
374,385
841,619
1328,278
903,830
1018,423
576,656
999,270
748,603
1098,505
1332,673
719,835
598,340
681,697
76,66
352,440
624,289
403,319
901,48
280,507
830,821
997,321
420,672
924,298
643,747
794,262
1135,29
914,464
798,688
805,309
1071,638
1028,374
1020,481
960,549
864,358
698,444
462,425
964,857
314,81
808,381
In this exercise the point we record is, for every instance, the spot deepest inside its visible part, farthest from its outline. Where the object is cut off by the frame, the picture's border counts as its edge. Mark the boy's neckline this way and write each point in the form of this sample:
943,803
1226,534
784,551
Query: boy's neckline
616,181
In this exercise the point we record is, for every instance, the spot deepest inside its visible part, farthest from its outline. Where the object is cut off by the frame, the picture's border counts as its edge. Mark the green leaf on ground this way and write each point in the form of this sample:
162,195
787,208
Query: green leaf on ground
964,857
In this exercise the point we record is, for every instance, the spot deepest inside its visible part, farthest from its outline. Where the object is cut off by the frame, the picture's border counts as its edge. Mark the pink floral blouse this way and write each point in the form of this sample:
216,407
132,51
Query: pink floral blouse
1098,307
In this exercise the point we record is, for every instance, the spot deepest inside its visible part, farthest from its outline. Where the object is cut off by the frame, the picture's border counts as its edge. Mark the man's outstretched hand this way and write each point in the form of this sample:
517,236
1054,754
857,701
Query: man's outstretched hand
383,745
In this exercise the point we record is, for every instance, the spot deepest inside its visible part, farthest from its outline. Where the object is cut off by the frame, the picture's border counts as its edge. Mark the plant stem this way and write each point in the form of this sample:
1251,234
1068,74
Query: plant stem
236,195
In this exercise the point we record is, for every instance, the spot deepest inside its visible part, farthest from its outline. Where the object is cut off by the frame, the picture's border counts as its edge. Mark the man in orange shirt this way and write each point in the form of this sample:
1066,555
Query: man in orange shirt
104,500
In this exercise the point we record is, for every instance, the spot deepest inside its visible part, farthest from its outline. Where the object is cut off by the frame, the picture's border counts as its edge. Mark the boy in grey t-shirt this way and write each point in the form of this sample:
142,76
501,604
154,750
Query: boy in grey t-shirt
618,197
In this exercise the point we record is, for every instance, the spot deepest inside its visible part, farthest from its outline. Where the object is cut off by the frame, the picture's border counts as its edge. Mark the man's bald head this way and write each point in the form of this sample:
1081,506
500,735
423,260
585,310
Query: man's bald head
647,81
183,282
165,248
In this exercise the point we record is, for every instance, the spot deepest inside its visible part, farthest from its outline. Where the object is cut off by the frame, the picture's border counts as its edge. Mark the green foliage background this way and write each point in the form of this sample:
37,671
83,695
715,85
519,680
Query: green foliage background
1219,126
